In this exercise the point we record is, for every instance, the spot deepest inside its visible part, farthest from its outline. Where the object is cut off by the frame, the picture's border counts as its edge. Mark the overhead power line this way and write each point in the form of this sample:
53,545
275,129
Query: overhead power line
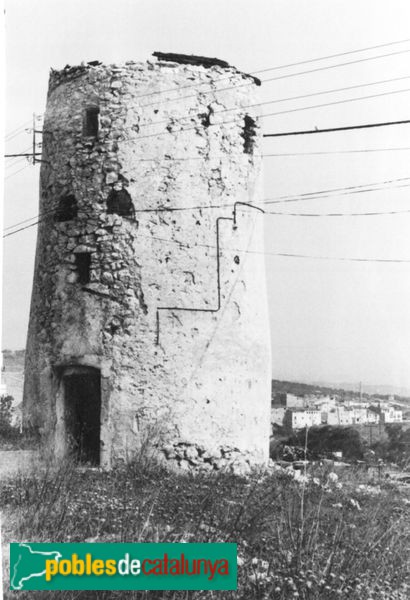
363,214
16,131
193,85
264,116
280,134
338,258
346,53
283,254
178,88
301,197
278,77
239,108
277,254
334,129
321,194
277,67
18,156
28,154
16,172
277,100
22,228
275,155
330,152
271,155
341,191
259,104
343,64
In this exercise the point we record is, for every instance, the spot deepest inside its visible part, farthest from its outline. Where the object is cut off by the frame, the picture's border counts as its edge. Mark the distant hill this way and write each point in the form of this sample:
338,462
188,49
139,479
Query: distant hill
301,389
370,389
347,391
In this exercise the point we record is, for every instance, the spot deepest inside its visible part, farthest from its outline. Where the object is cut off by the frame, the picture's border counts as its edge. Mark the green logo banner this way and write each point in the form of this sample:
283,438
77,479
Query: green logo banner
35,566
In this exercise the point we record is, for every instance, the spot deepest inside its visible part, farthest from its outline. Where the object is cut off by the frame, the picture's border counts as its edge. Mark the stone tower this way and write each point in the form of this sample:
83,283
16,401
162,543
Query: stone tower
148,318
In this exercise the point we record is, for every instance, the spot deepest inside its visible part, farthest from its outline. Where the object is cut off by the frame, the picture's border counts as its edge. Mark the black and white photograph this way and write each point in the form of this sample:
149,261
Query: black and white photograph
205,367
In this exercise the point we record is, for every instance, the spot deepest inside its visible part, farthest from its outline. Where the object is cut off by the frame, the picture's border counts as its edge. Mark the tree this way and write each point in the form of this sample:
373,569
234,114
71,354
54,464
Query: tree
322,440
6,414
397,447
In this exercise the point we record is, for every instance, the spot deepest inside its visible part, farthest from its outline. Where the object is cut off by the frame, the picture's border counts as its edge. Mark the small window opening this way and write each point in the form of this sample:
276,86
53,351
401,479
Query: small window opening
83,264
119,202
90,127
248,134
67,209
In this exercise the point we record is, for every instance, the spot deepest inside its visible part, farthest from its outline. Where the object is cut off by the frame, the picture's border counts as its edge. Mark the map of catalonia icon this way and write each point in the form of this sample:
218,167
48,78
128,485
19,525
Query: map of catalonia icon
29,563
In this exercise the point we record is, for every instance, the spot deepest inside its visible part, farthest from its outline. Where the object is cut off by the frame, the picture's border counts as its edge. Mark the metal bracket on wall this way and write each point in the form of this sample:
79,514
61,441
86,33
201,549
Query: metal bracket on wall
244,204
97,293
218,271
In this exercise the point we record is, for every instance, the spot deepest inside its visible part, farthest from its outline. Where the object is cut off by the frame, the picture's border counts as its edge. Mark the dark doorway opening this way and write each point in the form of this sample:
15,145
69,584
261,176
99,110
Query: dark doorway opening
82,412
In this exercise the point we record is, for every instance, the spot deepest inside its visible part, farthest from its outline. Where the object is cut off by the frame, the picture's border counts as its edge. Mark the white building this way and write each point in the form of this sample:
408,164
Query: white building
299,418
340,415
391,415
277,415
289,400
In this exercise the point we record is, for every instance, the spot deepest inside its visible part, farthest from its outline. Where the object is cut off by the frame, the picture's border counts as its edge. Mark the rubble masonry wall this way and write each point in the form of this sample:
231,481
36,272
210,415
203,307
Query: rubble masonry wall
194,383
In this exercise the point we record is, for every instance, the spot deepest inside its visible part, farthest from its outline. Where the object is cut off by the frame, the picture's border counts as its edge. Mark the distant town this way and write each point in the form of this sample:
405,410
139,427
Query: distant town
311,407
294,405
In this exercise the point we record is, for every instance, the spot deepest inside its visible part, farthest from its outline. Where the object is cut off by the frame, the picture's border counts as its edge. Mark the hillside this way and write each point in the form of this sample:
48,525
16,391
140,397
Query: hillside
300,389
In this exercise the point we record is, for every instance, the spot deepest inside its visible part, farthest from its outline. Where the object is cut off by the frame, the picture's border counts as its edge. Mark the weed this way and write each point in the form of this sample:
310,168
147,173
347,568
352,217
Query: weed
315,537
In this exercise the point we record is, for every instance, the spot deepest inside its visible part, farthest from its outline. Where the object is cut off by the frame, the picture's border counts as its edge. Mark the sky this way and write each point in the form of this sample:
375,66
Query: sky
331,320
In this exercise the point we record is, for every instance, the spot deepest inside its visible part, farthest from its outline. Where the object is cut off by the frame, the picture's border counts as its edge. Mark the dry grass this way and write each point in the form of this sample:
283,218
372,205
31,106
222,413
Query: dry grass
316,538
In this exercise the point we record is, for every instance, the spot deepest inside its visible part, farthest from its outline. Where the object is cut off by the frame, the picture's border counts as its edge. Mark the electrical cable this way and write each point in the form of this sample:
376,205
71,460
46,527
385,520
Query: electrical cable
285,66
16,172
277,254
17,130
264,116
290,98
366,214
278,77
336,129
328,193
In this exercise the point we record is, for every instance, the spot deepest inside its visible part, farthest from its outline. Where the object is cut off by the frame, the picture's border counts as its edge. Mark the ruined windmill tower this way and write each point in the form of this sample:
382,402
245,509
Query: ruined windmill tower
149,312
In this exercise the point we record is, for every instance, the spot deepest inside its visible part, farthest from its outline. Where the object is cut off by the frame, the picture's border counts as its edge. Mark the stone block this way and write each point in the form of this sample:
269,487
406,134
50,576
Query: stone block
111,177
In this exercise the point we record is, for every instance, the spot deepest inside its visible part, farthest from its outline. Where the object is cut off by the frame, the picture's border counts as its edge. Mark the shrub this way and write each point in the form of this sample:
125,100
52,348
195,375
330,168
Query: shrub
328,438
6,414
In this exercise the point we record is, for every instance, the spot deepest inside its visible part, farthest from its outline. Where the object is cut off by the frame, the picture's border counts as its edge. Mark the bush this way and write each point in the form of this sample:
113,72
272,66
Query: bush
6,414
327,439
397,447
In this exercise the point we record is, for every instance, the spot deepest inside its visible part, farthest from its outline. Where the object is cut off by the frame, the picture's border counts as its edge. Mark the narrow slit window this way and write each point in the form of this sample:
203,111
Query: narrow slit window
90,128
120,203
66,209
248,134
83,264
